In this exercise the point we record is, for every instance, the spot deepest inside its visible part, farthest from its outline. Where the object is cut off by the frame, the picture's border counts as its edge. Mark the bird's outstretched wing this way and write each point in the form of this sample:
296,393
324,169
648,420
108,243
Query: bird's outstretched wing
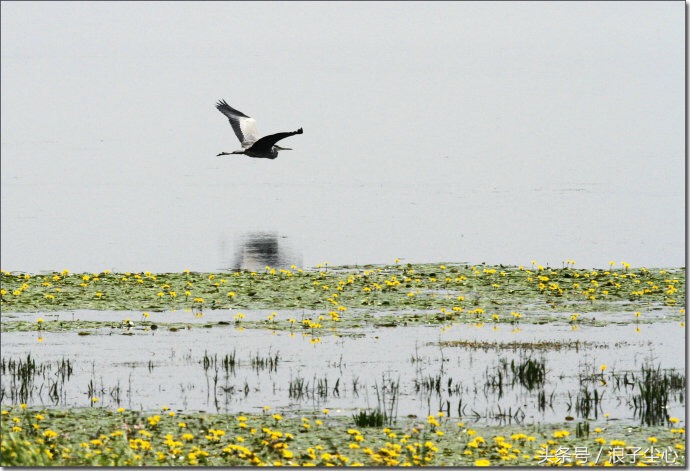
266,143
243,125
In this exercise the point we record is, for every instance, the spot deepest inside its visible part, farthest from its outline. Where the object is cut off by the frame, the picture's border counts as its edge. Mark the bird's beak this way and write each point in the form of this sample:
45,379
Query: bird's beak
282,148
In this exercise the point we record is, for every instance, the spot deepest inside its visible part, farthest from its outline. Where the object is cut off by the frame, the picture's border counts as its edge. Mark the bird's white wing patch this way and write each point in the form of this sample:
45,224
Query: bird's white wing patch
249,132
243,125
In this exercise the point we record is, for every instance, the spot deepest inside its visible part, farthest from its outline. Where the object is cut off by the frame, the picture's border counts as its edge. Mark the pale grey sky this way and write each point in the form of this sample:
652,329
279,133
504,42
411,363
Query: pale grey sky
102,100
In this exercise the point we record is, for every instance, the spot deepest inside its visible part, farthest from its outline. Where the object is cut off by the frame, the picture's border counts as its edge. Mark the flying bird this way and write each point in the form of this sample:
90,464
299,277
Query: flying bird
245,129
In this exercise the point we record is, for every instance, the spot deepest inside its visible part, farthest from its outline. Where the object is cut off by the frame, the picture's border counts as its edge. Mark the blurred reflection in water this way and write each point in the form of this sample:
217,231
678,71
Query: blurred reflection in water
256,250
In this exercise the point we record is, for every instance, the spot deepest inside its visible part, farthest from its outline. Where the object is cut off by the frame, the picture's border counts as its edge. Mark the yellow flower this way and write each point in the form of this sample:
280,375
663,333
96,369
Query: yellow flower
120,409
603,368
674,420
482,462
153,421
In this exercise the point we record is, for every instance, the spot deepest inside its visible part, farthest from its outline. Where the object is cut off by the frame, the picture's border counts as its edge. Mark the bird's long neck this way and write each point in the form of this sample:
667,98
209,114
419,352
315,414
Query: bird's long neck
231,153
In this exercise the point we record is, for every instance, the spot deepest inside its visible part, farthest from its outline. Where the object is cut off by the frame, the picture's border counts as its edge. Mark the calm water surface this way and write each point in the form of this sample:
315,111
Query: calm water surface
418,148
188,223
148,370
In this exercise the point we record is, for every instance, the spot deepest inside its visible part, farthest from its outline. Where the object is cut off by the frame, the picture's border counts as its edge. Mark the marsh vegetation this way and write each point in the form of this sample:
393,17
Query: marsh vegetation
418,364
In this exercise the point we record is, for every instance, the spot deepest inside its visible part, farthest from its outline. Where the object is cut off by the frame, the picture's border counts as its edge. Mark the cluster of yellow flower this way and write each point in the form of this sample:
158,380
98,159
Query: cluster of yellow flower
425,287
131,438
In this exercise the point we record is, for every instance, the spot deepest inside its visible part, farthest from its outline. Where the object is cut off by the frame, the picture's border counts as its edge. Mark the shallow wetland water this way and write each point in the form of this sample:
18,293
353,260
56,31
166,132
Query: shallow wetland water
141,369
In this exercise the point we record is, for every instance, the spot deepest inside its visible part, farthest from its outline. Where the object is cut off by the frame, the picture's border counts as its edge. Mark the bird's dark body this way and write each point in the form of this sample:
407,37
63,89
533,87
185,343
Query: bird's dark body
263,148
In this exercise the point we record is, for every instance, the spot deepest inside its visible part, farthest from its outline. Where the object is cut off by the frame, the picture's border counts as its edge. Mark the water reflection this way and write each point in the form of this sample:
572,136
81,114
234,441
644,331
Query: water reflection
256,250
